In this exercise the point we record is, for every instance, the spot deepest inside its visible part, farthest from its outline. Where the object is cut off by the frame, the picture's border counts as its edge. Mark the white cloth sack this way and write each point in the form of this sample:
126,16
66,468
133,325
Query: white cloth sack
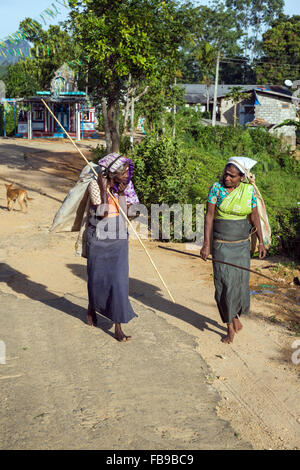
245,164
69,216
73,214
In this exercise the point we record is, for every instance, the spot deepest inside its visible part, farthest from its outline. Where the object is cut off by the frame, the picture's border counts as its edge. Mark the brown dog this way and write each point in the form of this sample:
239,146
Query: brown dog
14,194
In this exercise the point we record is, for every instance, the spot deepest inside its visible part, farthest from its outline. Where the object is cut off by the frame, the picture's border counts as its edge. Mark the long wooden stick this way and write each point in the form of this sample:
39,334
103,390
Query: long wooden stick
240,267
218,261
115,200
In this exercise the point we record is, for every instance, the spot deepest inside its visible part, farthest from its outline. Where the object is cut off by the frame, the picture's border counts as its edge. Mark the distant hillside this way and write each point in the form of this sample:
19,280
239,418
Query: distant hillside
12,59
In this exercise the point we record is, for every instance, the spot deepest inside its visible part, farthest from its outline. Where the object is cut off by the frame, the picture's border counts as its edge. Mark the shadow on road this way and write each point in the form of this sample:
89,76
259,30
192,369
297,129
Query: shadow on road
144,292
150,296
21,284
62,167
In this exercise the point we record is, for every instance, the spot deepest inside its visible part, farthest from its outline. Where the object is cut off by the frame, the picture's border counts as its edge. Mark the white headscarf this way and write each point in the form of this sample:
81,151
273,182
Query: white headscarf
244,164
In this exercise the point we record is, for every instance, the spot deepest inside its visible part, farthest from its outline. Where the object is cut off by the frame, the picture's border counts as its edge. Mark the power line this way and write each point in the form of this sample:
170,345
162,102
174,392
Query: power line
275,64
297,67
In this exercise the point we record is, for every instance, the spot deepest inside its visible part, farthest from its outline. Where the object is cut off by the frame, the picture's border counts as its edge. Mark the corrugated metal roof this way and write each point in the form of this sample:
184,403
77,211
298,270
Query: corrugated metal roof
200,89
196,93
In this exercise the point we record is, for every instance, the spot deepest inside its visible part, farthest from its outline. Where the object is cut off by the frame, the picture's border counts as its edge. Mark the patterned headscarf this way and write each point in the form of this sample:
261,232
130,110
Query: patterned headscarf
114,162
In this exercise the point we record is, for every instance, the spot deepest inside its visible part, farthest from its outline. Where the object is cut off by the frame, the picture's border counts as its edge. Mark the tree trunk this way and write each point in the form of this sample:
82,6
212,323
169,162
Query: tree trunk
247,32
127,107
87,83
112,114
207,97
130,100
118,120
132,123
106,125
129,93
234,114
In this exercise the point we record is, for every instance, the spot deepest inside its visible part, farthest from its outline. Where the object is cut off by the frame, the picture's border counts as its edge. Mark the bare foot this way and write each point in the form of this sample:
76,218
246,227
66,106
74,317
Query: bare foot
119,334
122,337
237,324
91,317
230,334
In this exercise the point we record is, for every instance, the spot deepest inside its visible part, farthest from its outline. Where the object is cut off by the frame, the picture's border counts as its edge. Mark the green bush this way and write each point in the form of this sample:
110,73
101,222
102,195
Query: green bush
10,123
160,171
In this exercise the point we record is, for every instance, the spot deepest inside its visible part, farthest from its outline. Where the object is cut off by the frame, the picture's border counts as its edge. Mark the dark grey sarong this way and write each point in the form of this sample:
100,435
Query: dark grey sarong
232,284
107,269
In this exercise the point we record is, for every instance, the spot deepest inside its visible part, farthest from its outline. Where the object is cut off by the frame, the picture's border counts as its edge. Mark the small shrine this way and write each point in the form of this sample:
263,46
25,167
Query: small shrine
70,106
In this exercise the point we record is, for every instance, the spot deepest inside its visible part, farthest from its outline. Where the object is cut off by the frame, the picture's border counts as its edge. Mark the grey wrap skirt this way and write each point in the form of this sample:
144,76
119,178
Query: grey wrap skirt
231,284
107,269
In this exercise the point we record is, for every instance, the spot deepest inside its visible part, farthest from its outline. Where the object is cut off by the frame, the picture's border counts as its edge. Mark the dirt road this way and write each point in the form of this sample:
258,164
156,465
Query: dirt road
174,386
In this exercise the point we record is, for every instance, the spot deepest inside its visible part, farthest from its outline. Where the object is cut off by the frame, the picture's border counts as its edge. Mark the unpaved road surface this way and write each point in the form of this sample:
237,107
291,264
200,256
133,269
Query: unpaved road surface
173,386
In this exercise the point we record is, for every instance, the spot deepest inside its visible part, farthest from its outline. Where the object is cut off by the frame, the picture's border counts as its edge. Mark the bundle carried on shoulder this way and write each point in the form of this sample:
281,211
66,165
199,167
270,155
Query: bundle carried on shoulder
264,221
72,216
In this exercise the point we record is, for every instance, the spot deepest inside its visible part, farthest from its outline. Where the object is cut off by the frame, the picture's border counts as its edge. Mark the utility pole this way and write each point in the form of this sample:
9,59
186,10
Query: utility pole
216,90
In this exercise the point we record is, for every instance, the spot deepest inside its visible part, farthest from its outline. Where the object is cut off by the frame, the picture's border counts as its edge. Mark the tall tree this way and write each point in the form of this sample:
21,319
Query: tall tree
22,79
49,50
236,94
217,29
281,52
162,95
130,37
253,16
207,55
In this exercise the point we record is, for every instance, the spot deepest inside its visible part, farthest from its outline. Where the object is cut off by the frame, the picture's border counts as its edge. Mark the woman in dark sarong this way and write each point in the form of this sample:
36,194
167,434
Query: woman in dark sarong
231,213
107,243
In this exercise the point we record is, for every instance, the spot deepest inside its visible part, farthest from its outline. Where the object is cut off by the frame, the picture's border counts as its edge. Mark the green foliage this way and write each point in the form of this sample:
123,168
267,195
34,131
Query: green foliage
289,122
181,171
140,38
2,71
162,94
215,28
281,49
30,75
287,230
10,122
252,17
22,79
123,43
235,28
237,94
160,171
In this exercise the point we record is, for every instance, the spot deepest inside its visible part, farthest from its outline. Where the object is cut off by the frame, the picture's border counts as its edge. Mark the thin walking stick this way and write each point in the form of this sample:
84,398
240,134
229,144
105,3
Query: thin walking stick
120,208
240,267
218,261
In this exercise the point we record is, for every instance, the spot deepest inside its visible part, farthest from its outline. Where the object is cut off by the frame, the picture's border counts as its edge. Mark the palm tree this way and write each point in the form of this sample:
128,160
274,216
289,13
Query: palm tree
236,94
206,56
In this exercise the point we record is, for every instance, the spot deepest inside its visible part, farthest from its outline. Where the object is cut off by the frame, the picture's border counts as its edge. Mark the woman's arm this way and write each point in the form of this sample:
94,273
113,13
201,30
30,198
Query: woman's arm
254,217
98,195
208,227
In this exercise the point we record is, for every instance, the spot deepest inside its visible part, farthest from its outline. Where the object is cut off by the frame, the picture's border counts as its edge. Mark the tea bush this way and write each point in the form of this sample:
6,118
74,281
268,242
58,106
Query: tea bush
10,125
